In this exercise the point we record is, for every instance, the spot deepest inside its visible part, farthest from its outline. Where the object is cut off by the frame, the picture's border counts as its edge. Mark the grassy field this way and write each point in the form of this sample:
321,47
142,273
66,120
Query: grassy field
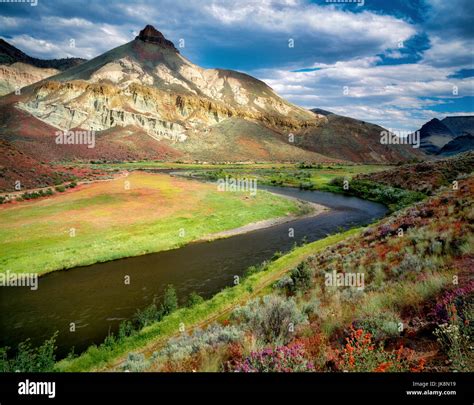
316,177
309,176
130,216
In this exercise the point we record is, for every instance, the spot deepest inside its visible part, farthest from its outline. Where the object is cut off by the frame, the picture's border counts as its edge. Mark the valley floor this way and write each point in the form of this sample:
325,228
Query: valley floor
128,216
414,311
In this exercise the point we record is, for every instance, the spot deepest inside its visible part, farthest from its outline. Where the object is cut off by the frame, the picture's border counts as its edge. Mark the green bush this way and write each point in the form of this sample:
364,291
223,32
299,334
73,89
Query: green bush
200,340
148,315
194,299
29,359
170,301
382,326
272,319
155,312
135,363
300,278
125,329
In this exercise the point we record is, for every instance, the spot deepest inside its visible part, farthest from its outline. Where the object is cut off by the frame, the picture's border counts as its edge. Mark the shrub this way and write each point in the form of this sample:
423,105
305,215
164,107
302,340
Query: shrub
200,340
409,264
351,295
135,362
272,319
29,359
125,329
194,299
458,297
170,301
256,269
362,355
276,255
60,188
284,283
381,326
312,307
147,315
455,338
298,280
281,359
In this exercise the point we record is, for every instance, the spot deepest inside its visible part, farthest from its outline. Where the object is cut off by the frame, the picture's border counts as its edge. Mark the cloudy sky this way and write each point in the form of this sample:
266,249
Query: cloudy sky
397,63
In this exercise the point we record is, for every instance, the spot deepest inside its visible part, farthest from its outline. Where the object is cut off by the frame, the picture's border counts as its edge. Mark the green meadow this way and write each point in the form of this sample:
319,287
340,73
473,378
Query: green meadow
136,215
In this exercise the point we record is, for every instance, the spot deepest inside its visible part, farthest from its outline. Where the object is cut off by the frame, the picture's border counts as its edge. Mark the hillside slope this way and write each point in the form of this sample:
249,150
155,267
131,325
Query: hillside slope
354,140
18,69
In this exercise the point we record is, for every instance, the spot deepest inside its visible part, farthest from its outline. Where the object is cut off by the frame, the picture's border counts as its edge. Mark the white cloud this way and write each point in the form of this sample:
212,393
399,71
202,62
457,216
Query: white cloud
383,31
390,95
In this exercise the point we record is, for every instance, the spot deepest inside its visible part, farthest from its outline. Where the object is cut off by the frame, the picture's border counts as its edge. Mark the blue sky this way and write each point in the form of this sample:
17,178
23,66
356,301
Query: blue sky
396,63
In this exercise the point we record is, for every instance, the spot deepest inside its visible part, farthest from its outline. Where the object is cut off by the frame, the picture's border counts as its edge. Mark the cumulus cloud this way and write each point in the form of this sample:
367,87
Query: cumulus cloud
390,95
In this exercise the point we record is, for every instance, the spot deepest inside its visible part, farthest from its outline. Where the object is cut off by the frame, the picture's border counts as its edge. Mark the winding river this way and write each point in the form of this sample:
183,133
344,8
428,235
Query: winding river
96,298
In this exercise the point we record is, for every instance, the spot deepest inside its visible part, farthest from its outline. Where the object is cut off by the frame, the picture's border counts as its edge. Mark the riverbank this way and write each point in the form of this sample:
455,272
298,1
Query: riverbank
307,210
132,216
107,357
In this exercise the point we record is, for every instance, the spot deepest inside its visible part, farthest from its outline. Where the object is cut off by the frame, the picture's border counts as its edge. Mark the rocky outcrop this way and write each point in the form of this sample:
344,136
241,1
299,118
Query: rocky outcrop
153,36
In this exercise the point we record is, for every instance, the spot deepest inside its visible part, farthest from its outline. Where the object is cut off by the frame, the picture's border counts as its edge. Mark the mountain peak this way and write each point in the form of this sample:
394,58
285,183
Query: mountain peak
151,35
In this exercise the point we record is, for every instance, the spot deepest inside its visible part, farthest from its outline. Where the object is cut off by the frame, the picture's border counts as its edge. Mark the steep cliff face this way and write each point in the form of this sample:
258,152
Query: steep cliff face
99,105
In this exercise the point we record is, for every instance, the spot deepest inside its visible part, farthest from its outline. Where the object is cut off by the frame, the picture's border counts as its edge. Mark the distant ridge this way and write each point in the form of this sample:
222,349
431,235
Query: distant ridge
9,55
437,134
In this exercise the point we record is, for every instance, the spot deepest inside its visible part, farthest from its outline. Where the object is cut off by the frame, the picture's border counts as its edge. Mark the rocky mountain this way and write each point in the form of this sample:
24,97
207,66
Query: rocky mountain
144,100
18,69
459,144
321,111
10,55
436,134
350,139
460,125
